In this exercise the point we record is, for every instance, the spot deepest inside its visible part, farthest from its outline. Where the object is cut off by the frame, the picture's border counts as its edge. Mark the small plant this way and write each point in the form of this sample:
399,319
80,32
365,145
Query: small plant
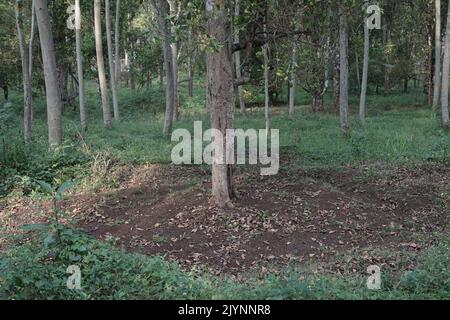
52,230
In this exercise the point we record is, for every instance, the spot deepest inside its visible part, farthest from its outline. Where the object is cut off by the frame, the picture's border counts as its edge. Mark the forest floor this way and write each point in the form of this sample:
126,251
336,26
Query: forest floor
303,215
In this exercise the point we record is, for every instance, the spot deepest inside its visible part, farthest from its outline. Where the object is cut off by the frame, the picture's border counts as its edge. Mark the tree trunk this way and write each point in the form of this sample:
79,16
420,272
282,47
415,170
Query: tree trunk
293,81
83,119
266,82
343,54
438,50
112,71
25,71
221,98
358,77
30,54
174,46
117,44
163,11
101,64
190,67
388,48
445,72
54,106
362,101
237,60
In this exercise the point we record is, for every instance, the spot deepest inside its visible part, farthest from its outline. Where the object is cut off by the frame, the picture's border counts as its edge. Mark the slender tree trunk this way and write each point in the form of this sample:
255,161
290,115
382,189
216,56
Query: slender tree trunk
362,101
163,10
445,72
221,99
83,119
293,81
112,71
237,59
174,46
190,66
30,54
266,83
25,71
438,50
358,77
117,44
54,106
343,44
101,64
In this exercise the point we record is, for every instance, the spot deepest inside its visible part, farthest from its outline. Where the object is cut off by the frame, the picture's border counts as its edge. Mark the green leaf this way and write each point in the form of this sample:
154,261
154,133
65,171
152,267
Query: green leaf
47,187
65,186
49,239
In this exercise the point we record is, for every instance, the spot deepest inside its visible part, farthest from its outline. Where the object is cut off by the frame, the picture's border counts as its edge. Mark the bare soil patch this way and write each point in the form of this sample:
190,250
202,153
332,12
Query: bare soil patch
297,216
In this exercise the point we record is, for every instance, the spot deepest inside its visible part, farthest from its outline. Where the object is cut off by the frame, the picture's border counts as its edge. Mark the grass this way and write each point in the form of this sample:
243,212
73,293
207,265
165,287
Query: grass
399,131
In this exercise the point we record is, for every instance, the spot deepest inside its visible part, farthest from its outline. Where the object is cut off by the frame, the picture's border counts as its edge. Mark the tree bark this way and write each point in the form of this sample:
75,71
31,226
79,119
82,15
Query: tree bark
438,50
83,119
101,64
174,46
221,98
237,60
266,82
25,71
54,105
293,81
343,54
117,44
362,101
163,10
30,54
445,72
112,71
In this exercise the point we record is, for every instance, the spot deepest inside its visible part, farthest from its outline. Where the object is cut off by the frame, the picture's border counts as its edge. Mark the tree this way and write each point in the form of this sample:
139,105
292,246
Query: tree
266,79
174,12
25,71
237,59
362,101
163,10
445,72
437,48
101,64
54,105
112,71
83,119
221,98
117,44
343,65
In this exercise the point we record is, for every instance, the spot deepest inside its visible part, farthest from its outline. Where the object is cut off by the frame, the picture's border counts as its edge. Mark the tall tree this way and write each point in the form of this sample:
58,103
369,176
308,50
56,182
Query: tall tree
162,7
362,101
438,51
174,12
54,105
83,119
343,65
25,70
112,71
117,44
101,64
221,98
445,72
265,49
237,58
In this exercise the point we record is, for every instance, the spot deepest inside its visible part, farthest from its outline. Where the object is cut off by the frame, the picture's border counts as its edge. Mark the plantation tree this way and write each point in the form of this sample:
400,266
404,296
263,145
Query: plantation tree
343,65
174,14
221,97
101,64
362,103
117,46
25,70
445,72
237,58
437,48
54,105
83,119
162,8
266,79
112,72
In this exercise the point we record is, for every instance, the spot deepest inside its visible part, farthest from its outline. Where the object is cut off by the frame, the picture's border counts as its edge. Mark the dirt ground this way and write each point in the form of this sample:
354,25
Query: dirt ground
298,216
